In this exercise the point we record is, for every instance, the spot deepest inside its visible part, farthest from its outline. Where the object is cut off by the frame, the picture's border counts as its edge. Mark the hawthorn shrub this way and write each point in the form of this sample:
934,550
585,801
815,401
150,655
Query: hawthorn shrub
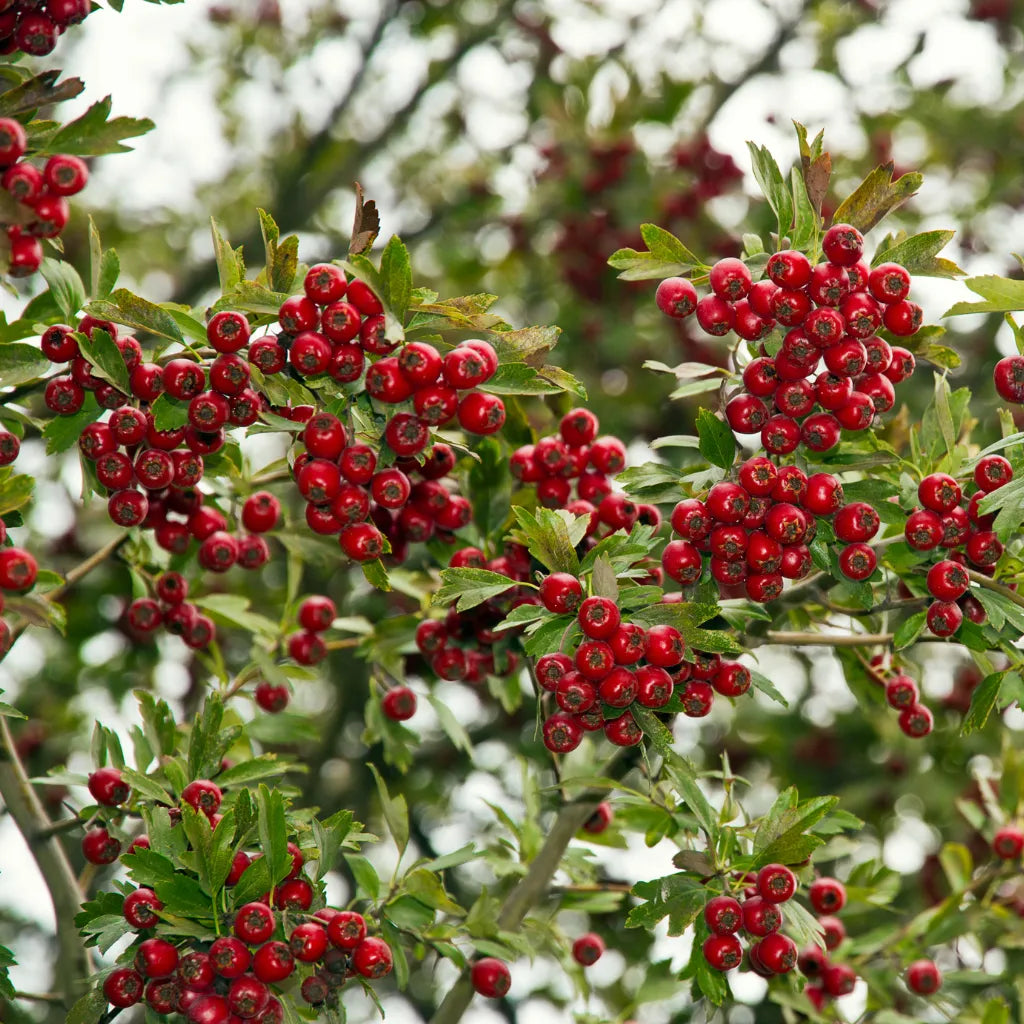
423,461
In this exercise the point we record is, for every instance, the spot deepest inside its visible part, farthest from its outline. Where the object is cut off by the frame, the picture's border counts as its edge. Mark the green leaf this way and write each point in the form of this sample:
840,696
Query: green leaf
230,268
767,687
396,276
522,379
63,432
983,700
124,307
943,413
642,266
145,786
999,295
909,630
665,246
678,897
773,186
396,812
88,1009
551,536
918,254
38,91
21,363
101,350
450,723
782,836
805,220
329,836
686,785
233,610
717,443
471,587
283,259
273,831
376,575
265,766
65,286
94,134
876,197
365,874
169,413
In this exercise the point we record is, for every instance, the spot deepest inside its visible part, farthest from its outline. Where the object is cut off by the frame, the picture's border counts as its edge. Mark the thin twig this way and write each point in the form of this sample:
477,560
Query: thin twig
73,963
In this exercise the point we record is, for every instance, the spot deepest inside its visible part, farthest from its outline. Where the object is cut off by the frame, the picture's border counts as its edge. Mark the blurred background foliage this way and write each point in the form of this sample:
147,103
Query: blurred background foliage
514,144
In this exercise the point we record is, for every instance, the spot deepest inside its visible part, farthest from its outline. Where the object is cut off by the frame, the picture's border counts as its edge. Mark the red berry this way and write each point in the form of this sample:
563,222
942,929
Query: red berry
723,952
139,908
123,987
1008,842
229,957
676,297
562,733
100,847
623,731
944,618
776,952
916,721
923,530
587,949
857,561
776,883
900,692
156,958
827,895
247,996
561,593
273,962
715,316
491,977
839,980
108,787
923,977
902,318
203,795
399,704
947,581
730,279
599,821
308,942
346,929
788,269
723,915
1008,376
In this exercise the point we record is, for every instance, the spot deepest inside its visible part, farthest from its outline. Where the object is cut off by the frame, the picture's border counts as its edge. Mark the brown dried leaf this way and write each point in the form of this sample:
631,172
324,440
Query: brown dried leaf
366,225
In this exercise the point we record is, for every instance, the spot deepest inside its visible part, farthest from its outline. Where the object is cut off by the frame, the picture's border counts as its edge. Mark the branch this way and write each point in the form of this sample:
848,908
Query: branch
84,568
535,884
73,963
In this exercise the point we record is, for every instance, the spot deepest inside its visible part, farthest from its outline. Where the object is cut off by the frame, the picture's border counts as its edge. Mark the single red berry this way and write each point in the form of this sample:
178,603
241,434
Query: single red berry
732,679
362,542
833,932
317,613
623,731
947,581
491,977
944,618
1008,376
562,733
839,980
676,297
715,315
561,593
587,949
900,692
916,721
776,883
730,279
346,929
599,821
827,895
1008,842
399,704
100,847
902,318
923,530
723,952
140,908
108,787
203,795
723,915
273,962
923,977
889,282
857,561
229,957
481,413
372,958
776,952
156,958
123,987
697,697
789,269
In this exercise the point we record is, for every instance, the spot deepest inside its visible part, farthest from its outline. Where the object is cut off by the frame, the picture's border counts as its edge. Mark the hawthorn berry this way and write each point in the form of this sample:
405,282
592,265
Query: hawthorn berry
229,956
916,721
587,949
776,883
491,977
562,733
923,977
676,297
123,987
901,692
599,821
156,958
722,952
273,962
777,952
100,847
399,704
139,908
944,618
723,915
827,895
1008,376
1008,842
108,787
839,980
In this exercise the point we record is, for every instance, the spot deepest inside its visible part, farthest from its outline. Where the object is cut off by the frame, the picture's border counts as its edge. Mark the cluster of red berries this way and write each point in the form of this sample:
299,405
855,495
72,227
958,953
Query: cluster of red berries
234,974
760,917
832,312
577,456
946,520
337,324
828,980
901,693
170,609
41,193
374,510
18,571
467,646
151,475
33,26
616,664
757,530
